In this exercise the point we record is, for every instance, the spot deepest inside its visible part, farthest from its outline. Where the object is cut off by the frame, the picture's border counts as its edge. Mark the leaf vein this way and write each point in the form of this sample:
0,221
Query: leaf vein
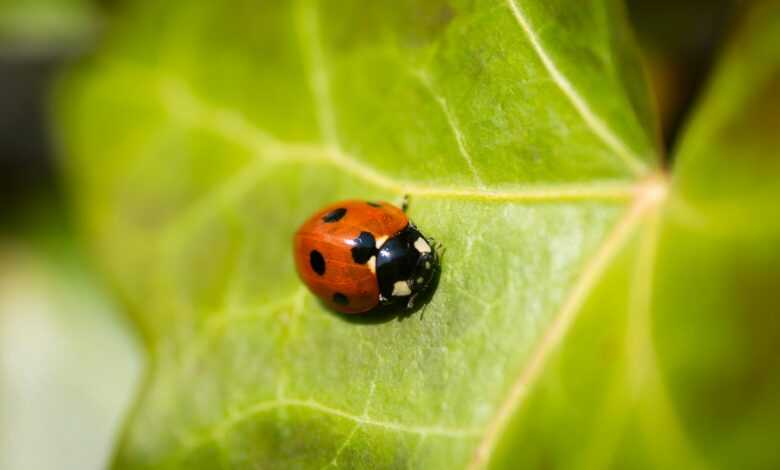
318,74
334,461
652,194
454,125
217,432
364,420
597,126
642,353
268,151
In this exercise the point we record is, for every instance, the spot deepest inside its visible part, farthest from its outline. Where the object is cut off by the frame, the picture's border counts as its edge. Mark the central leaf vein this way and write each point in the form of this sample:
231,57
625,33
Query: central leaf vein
189,109
652,194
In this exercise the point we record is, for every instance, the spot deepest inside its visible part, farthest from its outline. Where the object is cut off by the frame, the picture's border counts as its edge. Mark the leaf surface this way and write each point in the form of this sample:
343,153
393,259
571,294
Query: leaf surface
206,132
671,351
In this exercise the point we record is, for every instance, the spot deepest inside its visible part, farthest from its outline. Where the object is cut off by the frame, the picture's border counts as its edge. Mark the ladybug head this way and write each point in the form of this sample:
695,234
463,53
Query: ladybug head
426,268
407,265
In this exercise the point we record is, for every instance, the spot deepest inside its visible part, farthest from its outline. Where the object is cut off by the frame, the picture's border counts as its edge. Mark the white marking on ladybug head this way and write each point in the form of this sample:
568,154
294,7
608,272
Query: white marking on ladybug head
422,246
420,280
381,241
401,289
372,264
427,265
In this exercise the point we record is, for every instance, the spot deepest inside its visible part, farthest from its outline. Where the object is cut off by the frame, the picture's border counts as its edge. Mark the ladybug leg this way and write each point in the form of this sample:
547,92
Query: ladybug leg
410,304
440,249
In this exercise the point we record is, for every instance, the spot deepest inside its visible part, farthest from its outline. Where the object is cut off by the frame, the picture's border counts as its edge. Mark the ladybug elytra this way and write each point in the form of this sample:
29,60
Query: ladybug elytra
357,256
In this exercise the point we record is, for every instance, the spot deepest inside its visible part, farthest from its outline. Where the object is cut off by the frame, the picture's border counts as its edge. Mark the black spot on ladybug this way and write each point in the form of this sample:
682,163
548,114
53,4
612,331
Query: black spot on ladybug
334,216
373,204
317,262
340,298
363,247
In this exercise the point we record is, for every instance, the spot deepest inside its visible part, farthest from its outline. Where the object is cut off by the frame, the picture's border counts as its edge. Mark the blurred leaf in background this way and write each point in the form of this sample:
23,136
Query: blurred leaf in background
68,363
36,38
36,27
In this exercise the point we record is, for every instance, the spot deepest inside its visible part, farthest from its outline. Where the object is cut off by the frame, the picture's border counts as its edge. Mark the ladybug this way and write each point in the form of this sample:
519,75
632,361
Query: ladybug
358,255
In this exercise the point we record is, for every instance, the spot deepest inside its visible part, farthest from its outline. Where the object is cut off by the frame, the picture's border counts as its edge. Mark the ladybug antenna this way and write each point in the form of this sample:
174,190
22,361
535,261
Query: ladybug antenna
405,203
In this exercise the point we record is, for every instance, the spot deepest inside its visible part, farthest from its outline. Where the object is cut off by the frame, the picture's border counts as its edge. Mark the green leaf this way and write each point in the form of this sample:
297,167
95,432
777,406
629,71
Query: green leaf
565,329
672,363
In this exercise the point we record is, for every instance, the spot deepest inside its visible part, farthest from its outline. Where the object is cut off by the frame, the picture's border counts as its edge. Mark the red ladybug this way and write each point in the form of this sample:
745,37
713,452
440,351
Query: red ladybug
357,256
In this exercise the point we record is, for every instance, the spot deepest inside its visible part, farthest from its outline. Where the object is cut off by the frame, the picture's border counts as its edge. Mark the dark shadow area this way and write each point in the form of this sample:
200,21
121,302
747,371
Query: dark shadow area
680,42
28,169
26,164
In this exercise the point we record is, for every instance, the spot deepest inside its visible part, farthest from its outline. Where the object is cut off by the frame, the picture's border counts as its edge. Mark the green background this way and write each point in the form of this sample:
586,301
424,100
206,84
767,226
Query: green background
602,303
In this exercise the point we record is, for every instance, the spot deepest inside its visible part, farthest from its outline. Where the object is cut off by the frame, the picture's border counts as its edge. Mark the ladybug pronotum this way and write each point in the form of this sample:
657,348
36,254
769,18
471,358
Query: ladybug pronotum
357,256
